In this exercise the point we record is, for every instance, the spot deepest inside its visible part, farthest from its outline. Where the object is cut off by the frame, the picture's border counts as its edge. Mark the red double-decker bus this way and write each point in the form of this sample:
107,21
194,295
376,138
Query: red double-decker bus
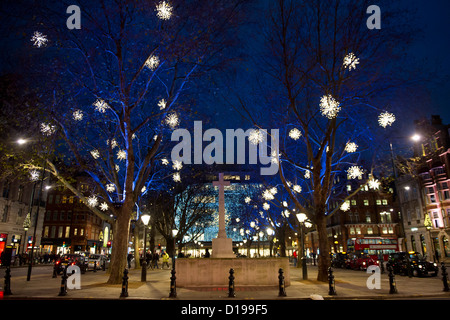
375,247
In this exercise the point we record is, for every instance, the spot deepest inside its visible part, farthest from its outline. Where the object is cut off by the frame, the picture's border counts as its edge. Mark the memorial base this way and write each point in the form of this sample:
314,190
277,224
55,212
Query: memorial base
222,248
205,272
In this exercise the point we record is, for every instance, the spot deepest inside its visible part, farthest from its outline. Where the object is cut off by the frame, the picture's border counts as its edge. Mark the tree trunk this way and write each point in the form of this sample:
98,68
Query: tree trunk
120,244
324,256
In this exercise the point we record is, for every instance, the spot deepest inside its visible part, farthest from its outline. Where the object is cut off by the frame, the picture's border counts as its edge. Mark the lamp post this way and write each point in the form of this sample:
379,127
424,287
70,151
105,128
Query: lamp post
173,284
301,217
145,218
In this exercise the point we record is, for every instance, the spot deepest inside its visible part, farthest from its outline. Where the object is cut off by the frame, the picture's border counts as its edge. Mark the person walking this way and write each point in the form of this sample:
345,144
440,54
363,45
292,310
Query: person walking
165,257
155,259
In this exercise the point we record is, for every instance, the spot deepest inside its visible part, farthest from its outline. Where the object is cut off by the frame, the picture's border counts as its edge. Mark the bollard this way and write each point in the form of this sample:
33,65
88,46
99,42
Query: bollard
392,285
173,284
95,266
124,293
444,277
7,290
331,284
231,293
54,275
282,290
104,265
63,288
382,265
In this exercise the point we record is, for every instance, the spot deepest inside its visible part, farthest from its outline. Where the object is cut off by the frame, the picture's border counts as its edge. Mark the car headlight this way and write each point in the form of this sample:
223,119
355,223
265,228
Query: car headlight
420,266
435,264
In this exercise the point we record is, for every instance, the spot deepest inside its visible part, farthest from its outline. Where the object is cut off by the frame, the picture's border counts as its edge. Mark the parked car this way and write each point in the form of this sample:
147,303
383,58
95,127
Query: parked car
361,261
339,260
419,266
97,260
70,259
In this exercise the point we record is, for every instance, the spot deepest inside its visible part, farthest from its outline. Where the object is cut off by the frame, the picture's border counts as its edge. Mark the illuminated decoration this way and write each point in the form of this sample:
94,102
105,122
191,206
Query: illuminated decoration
176,177
92,201
110,187
121,155
100,106
133,136
162,104
273,190
345,206
165,161
113,143
295,134
351,147
386,119
39,39
350,61
297,188
117,168
47,129
329,107
95,154
267,195
247,200
152,62
104,206
77,115
307,174
255,136
164,10
177,165
266,206
274,157
144,188
34,175
172,120
374,184
355,172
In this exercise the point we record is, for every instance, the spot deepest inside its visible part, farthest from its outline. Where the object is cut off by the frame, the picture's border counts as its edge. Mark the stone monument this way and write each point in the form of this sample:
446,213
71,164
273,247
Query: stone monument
222,247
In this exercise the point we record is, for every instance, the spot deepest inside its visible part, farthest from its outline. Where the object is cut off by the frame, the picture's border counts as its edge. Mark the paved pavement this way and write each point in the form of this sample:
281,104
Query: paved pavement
349,285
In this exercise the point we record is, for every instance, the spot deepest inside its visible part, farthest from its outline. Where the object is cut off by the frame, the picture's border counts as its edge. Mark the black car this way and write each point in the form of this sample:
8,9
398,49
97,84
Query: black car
412,263
71,259
339,260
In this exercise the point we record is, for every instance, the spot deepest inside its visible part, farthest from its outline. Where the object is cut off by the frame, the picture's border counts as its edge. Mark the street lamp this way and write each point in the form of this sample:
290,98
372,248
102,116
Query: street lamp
173,284
301,217
416,137
145,220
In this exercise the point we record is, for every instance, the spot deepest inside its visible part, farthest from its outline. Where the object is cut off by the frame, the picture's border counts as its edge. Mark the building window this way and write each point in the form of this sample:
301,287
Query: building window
349,187
358,230
45,235
432,198
60,232
20,193
378,202
75,231
368,220
67,234
446,194
352,230
366,202
385,230
384,202
353,202
53,233
369,230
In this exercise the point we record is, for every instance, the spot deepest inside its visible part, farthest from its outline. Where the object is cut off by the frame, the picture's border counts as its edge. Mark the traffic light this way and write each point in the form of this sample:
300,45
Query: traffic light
159,246
108,244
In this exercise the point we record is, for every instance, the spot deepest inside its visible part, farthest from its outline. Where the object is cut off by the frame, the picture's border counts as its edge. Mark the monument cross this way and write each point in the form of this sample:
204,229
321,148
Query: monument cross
221,184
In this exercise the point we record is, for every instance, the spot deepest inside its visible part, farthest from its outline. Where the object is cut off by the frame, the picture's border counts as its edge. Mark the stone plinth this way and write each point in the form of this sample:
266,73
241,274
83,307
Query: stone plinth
204,272
222,248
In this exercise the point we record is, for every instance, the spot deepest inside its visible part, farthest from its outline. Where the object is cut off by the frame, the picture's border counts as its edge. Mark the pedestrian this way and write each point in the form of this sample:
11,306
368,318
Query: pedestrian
165,257
207,255
148,259
155,259
295,258
129,258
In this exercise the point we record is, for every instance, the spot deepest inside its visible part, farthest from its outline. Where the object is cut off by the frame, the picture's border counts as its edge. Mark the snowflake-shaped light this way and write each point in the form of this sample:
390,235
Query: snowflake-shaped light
47,129
152,62
110,187
39,39
267,195
273,190
101,105
351,147
355,172
117,168
386,119
307,174
121,155
247,199
177,165
164,10
162,104
274,157
34,175
77,115
92,201
164,161
374,184
295,134
266,206
329,107
95,154
176,177
350,61
104,206
113,143
345,206
297,188
255,136
144,188
172,120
